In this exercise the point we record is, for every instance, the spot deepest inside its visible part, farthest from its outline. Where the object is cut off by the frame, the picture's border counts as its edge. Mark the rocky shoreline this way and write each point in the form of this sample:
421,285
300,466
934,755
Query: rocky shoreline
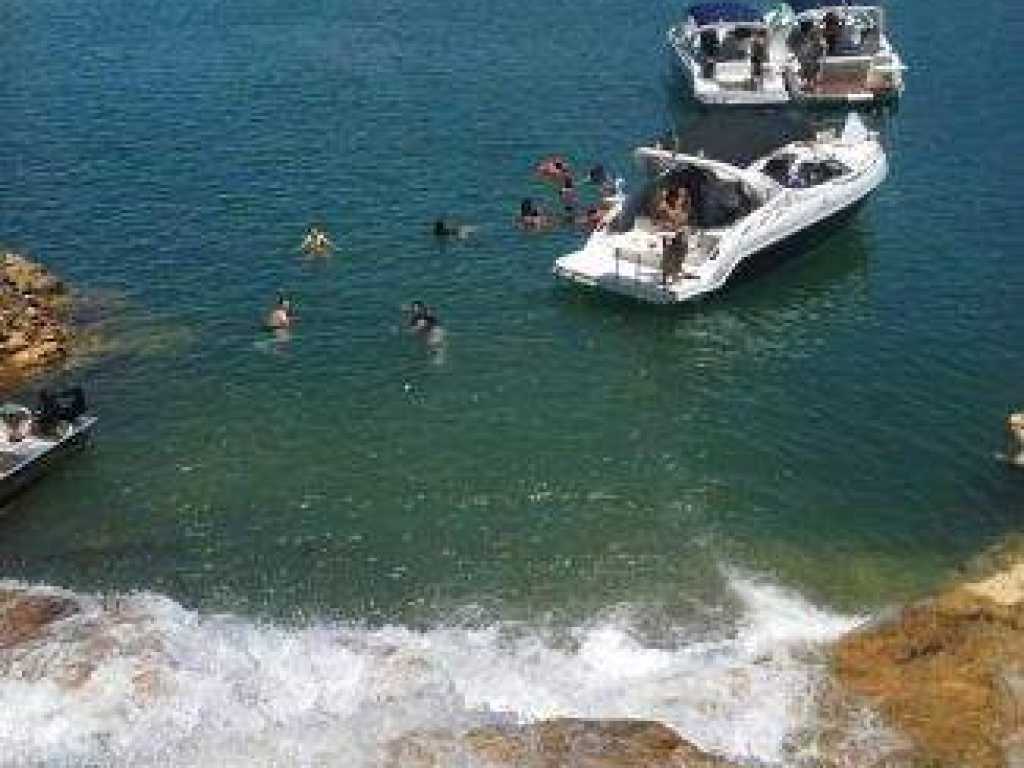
943,677
947,672
35,320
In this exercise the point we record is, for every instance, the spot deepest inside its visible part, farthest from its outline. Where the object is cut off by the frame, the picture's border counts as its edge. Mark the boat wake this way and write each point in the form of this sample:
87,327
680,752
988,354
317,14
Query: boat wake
139,679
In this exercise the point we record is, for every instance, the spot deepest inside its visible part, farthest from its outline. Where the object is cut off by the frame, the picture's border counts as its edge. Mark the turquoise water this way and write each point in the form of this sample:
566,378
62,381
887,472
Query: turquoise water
296,552
830,423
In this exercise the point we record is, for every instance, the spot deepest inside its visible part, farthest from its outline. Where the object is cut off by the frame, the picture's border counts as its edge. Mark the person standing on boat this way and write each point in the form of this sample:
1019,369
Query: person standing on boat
758,58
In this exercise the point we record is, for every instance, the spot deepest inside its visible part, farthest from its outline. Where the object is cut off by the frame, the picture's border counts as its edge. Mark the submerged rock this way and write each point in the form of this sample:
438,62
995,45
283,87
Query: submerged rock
555,743
949,672
24,616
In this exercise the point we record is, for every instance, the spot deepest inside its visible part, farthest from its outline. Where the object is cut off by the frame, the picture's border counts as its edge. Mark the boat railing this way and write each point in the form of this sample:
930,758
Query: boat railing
643,272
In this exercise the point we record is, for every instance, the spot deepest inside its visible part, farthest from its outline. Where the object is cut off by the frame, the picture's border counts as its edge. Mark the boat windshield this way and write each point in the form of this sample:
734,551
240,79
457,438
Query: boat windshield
713,202
802,172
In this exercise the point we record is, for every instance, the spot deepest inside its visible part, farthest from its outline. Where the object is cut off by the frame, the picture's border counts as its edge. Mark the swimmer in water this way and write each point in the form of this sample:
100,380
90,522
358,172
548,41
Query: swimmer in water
592,219
530,217
444,229
599,177
316,242
553,169
423,321
281,316
421,317
1015,440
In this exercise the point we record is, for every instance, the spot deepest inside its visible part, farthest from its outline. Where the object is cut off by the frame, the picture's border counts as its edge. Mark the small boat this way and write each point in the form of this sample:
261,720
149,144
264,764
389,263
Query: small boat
840,54
31,440
735,212
730,55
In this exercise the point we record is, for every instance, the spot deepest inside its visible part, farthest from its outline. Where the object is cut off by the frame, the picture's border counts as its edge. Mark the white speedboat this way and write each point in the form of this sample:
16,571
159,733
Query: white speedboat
730,55
840,54
735,213
31,440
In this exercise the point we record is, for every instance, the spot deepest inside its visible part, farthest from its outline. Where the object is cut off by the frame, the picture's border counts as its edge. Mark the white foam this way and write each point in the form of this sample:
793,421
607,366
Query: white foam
168,686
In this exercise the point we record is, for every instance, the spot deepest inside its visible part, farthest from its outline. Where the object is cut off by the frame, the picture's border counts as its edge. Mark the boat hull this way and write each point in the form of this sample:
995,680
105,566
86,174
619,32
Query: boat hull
754,263
17,479
795,219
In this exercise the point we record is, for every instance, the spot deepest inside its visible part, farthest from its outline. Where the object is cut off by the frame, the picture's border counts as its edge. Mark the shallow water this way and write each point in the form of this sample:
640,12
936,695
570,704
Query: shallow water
829,424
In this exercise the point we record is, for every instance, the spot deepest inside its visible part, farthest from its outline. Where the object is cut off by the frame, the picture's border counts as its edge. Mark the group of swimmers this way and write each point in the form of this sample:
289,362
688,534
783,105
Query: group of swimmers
423,319
557,171
420,320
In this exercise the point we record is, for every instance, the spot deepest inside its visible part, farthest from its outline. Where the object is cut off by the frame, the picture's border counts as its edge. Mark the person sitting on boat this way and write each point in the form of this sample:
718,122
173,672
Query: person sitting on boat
316,242
672,209
679,207
280,316
554,169
758,57
48,414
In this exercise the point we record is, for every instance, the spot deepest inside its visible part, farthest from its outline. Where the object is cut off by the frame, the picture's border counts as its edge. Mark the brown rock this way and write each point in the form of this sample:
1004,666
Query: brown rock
34,329
946,672
558,743
14,342
39,354
28,277
25,616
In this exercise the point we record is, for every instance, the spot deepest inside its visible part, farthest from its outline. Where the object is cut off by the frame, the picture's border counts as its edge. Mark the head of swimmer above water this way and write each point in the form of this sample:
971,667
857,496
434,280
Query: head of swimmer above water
421,317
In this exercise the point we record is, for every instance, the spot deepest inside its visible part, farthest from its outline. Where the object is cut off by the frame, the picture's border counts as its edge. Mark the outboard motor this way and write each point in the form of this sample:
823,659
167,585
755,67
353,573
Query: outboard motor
48,413
76,405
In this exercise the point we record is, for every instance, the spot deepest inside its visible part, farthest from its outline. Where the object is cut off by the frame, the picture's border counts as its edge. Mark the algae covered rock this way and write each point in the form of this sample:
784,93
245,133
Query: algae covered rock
35,330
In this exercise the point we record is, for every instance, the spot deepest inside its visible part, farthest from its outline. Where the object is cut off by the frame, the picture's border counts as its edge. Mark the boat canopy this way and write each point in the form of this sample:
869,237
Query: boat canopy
799,6
714,13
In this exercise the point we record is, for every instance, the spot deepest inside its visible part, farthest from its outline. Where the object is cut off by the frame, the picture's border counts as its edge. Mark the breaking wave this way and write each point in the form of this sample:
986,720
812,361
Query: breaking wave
138,679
